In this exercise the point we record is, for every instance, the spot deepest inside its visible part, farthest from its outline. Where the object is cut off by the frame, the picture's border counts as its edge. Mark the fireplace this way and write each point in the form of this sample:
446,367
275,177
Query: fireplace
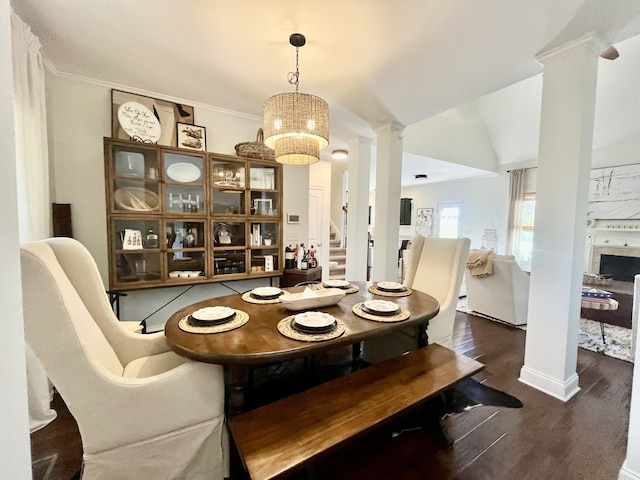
621,268
621,262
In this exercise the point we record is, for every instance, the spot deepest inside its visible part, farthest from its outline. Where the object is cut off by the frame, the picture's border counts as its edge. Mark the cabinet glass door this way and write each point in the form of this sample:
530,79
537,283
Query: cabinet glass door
185,247
137,250
184,179
135,180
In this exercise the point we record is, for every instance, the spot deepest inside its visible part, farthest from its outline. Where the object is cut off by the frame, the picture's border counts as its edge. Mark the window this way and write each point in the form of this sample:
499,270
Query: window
523,255
449,215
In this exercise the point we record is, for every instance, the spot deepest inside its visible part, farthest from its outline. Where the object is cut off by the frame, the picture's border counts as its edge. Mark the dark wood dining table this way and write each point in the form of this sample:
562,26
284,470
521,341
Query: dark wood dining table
258,342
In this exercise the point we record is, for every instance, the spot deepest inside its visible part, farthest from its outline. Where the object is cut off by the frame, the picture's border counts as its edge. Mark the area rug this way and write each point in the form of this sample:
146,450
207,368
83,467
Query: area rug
617,340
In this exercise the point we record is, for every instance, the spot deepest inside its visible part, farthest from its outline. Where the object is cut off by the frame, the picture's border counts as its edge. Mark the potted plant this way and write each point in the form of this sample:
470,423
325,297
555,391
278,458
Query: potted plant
269,236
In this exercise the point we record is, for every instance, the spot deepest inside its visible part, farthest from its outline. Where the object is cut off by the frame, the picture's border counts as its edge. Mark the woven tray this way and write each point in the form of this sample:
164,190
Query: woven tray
255,149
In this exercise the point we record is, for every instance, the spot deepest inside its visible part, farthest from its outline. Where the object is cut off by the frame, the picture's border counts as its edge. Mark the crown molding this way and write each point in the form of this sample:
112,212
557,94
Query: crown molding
137,91
591,39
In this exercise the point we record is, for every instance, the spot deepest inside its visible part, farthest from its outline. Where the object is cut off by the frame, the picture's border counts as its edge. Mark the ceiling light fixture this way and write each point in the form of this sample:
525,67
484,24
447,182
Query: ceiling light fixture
296,125
339,154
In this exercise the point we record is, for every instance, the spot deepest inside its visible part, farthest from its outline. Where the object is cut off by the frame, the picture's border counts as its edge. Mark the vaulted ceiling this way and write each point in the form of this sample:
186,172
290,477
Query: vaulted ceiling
430,65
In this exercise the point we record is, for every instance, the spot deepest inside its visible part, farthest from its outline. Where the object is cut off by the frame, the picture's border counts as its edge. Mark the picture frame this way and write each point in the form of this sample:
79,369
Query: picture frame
263,206
424,221
191,137
143,116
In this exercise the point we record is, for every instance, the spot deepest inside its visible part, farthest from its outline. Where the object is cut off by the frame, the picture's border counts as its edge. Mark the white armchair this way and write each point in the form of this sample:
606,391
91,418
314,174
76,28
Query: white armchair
434,266
504,295
142,410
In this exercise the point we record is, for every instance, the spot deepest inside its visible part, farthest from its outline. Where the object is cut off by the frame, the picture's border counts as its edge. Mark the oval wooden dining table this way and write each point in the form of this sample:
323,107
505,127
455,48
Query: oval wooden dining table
258,342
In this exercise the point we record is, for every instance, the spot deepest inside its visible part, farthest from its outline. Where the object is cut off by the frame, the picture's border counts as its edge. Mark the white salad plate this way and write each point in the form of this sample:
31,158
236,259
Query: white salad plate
314,320
381,306
183,172
266,291
213,313
390,286
337,283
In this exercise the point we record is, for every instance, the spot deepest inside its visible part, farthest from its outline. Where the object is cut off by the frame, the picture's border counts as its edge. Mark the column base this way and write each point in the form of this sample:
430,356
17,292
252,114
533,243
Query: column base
551,386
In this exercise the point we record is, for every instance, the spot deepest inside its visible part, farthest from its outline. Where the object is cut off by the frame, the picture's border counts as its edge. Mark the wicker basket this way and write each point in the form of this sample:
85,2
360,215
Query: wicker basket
255,149
595,279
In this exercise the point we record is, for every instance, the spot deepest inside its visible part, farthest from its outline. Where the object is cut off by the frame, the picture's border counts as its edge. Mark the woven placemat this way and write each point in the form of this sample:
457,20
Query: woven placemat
286,329
403,314
376,291
352,288
249,299
239,320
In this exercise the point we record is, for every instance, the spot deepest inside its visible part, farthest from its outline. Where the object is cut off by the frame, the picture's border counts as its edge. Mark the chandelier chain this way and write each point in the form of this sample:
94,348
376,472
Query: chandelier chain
294,77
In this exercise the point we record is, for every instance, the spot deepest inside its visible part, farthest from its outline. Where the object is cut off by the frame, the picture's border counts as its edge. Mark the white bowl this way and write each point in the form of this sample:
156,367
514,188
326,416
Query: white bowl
183,274
324,297
175,274
194,273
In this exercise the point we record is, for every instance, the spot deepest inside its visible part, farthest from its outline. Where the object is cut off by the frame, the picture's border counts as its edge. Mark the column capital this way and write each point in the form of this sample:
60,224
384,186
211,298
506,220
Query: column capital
393,126
589,40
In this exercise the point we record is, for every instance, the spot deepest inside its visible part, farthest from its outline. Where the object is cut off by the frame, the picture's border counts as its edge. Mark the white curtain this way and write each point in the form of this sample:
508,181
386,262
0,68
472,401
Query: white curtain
32,171
32,156
514,224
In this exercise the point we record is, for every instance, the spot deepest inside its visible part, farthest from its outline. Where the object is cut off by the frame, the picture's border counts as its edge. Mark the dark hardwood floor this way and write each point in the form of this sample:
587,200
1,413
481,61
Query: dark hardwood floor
584,438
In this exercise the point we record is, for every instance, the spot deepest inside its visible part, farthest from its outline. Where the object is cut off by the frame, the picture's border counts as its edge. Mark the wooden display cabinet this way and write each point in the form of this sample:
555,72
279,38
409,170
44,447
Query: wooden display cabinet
178,217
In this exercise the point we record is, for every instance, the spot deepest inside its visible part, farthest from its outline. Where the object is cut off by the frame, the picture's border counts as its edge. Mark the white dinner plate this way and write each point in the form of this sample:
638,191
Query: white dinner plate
315,320
183,172
213,313
337,283
381,306
390,286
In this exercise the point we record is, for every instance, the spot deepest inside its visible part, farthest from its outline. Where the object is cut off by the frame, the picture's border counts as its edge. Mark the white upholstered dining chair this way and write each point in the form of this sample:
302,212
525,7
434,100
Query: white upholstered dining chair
143,411
434,266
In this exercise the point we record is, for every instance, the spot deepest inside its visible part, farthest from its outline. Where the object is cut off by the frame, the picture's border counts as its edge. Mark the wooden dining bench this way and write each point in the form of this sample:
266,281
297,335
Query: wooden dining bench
280,438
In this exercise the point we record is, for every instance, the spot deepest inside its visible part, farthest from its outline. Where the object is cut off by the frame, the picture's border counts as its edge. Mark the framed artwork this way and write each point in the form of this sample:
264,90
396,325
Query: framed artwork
424,222
147,119
191,137
263,206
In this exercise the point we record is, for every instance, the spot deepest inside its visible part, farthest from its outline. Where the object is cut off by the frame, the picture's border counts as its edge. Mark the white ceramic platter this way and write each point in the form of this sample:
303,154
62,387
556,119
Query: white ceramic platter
183,172
337,283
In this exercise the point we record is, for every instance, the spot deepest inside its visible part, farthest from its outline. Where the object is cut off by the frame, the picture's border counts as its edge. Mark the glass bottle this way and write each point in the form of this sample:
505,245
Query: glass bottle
152,239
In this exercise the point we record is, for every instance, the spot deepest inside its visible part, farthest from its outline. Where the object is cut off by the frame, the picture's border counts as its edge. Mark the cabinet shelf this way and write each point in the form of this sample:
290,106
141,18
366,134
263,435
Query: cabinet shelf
187,198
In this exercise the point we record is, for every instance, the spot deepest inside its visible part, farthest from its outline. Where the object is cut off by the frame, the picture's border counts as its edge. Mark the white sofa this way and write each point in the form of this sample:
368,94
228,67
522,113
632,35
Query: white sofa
504,295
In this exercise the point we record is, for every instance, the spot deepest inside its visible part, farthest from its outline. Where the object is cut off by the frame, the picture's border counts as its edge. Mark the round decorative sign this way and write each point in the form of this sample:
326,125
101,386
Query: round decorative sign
139,122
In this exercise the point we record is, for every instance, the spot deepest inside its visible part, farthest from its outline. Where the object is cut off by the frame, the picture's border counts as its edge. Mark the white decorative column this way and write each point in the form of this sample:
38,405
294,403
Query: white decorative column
388,176
15,459
566,136
358,209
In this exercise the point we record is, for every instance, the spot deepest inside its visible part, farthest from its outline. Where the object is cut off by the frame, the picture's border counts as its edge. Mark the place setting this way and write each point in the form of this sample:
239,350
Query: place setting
345,285
389,289
263,295
213,320
311,327
381,311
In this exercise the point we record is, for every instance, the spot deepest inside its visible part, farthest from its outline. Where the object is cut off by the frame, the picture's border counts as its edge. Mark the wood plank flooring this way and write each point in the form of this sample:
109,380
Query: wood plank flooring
584,438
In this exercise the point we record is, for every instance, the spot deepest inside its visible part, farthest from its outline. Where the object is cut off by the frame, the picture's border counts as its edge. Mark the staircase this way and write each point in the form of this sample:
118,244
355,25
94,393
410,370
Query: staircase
337,257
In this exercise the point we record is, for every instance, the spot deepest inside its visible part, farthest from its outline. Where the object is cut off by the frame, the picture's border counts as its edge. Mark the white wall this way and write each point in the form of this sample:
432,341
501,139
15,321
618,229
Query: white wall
79,119
485,201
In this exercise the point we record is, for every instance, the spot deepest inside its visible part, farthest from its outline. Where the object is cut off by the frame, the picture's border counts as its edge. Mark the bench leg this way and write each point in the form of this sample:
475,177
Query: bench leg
432,420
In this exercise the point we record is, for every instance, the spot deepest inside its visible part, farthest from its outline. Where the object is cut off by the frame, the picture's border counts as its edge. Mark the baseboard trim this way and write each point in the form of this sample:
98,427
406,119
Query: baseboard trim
626,474
551,386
